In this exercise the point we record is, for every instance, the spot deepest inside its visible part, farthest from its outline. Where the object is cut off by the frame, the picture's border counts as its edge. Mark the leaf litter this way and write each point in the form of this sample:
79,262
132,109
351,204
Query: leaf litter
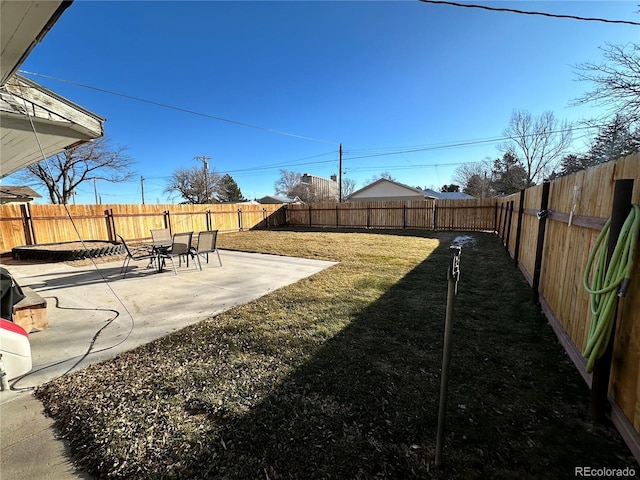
337,376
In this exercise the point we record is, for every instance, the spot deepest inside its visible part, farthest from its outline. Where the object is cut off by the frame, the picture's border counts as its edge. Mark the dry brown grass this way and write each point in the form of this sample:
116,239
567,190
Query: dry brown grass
337,377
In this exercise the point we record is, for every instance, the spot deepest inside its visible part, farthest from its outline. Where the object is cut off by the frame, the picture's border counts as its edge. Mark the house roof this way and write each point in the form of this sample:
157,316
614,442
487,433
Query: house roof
18,193
22,25
401,186
59,123
446,195
279,199
25,106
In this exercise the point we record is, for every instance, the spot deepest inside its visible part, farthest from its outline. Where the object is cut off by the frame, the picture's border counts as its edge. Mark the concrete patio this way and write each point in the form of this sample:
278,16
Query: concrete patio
94,314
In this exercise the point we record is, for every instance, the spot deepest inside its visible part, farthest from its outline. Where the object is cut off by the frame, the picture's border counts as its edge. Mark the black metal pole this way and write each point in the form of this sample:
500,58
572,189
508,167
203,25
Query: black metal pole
544,203
516,253
510,209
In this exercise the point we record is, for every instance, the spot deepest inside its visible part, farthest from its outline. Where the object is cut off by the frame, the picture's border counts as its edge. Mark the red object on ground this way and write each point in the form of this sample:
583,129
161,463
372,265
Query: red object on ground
15,349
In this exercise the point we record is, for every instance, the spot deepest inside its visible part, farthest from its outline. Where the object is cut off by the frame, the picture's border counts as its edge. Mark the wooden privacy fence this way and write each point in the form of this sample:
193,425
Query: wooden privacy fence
41,224
549,230
475,214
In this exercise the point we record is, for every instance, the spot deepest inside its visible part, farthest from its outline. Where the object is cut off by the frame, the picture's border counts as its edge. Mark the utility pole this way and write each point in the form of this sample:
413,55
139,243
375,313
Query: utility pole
95,190
142,187
340,177
205,162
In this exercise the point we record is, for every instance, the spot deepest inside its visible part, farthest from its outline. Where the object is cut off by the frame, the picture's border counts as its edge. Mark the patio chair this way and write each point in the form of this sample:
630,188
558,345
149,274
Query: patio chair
206,244
135,254
161,237
180,247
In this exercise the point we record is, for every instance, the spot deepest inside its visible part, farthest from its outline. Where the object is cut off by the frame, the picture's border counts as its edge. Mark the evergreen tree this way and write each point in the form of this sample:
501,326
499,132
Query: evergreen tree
478,186
572,164
227,190
509,175
614,140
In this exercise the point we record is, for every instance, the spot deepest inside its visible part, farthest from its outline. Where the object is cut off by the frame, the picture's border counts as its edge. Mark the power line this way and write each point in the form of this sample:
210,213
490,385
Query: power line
524,12
179,109
463,143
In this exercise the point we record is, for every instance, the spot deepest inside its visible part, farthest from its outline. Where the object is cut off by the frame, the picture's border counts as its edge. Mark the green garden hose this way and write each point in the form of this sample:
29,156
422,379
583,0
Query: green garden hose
609,283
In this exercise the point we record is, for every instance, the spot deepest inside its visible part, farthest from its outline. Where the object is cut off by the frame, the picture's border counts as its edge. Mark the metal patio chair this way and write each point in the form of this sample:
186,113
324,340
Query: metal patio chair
135,254
161,237
180,247
206,244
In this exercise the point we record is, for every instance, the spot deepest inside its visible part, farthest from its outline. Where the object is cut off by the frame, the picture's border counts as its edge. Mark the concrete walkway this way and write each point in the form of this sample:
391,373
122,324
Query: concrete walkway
86,305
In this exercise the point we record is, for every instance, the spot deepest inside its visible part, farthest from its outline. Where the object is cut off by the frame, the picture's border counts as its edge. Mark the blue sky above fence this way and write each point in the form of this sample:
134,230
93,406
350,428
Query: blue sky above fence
400,84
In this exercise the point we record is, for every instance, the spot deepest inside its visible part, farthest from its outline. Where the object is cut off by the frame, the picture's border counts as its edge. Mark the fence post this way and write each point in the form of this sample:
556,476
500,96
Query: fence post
620,209
368,216
516,253
27,224
435,215
239,219
504,221
111,226
544,203
265,219
404,216
337,217
167,220
495,218
510,207
310,224
499,229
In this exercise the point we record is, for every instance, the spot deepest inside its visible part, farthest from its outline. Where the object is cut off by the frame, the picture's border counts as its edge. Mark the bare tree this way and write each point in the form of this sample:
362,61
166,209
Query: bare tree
375,178
193,185
295,185
616,80
539,143
475,178
64,172
288,183
348,187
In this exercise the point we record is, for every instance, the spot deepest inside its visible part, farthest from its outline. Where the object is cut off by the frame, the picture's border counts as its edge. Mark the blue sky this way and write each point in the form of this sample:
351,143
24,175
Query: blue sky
378,77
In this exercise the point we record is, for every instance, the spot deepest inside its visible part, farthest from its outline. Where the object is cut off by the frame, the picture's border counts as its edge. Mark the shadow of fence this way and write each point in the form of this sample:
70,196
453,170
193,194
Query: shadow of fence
365,404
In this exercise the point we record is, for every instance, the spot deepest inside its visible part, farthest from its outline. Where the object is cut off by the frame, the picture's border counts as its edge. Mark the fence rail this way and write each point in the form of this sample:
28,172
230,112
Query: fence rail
552,254
548,230
476,214
41,224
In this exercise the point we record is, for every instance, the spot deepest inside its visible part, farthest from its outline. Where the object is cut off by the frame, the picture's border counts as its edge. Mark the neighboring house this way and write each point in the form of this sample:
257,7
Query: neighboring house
386,190
274,199
320,188
26,106
446,195
17,195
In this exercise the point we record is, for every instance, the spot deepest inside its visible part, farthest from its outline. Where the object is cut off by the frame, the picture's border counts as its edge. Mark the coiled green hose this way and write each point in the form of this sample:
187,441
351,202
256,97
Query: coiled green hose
609,283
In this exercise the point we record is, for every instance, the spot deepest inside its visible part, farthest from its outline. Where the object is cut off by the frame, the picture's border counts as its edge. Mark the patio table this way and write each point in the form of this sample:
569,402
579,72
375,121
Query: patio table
158,248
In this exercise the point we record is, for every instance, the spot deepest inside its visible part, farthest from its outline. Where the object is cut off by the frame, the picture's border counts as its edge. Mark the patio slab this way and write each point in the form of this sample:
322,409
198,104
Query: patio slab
95,314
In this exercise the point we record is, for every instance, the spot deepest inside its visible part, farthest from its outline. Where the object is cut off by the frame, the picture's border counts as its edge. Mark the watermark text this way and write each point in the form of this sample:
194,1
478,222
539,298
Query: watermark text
603,472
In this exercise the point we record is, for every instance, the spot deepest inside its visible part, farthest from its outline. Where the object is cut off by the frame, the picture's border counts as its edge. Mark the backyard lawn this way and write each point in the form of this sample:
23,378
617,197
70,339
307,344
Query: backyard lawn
338,377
